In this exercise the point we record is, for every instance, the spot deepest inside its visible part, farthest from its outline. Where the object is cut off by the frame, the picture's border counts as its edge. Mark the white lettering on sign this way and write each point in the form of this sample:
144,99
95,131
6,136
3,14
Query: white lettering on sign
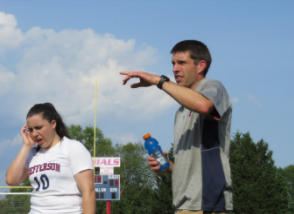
102,162
100,189
113,189
113,176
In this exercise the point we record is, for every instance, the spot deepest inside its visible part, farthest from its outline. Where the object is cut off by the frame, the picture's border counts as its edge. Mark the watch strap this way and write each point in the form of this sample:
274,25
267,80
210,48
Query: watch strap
162,80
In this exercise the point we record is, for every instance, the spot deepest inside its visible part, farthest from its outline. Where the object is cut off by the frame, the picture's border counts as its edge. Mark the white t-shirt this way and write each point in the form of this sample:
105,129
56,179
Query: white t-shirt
52,177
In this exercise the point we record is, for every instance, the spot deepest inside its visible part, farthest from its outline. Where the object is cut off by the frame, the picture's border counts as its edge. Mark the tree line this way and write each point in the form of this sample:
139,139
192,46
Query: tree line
259,187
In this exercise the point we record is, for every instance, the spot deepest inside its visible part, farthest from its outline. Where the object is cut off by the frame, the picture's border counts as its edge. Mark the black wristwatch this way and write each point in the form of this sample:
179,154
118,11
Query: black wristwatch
162,80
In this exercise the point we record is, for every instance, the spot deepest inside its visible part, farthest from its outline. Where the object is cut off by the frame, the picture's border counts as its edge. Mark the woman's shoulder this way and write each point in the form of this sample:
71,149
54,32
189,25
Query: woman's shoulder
71,143
73,148
68,140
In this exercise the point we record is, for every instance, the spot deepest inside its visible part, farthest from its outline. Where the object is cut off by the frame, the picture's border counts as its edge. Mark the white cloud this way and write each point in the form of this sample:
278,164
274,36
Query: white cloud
6,78
4,144
254,99
7,20
61,67
10,36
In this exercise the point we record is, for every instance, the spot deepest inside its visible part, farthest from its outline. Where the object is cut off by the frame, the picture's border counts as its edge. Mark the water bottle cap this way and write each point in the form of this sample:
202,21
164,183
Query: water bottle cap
146,136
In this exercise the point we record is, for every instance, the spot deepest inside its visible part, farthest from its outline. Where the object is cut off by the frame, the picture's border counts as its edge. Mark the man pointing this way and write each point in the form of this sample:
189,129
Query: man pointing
201,180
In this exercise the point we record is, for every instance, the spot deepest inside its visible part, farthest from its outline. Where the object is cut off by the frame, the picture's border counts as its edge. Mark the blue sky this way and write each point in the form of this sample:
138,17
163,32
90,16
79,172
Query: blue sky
52,51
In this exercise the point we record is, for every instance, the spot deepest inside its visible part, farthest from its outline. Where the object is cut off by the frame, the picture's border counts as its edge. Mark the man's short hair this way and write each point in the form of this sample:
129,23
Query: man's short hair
198,52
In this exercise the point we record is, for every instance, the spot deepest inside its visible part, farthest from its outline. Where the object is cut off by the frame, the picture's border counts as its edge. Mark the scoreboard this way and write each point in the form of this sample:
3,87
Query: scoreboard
107,187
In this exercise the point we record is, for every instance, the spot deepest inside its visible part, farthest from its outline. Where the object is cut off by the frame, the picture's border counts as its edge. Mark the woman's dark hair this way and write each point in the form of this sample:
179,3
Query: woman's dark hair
49,113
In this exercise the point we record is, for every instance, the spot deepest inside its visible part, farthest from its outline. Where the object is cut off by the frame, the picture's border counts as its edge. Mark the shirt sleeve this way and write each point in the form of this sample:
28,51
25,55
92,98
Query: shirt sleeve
30,157
216,92
80,158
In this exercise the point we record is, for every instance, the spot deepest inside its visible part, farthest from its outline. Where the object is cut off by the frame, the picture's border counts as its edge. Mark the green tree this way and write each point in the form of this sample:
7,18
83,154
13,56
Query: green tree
288,174
104,145
258,189
137,180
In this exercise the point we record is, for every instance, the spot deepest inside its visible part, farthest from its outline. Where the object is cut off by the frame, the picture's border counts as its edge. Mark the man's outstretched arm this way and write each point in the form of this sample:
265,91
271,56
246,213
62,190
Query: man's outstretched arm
186,97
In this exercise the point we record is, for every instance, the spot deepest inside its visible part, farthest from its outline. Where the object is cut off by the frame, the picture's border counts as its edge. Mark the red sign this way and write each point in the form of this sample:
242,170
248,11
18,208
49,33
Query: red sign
114,162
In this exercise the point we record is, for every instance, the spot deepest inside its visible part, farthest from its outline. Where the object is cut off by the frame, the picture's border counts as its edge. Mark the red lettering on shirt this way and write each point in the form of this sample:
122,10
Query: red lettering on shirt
45,167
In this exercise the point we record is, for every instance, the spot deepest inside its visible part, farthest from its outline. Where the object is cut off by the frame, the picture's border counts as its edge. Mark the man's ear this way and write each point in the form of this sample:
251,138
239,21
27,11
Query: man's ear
201,65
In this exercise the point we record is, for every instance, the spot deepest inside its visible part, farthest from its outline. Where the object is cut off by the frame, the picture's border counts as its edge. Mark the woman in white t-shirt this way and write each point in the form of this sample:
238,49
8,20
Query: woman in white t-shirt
60,169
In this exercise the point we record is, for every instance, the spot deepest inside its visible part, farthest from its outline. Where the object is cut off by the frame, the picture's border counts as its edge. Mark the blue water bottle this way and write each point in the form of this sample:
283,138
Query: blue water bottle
154,150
